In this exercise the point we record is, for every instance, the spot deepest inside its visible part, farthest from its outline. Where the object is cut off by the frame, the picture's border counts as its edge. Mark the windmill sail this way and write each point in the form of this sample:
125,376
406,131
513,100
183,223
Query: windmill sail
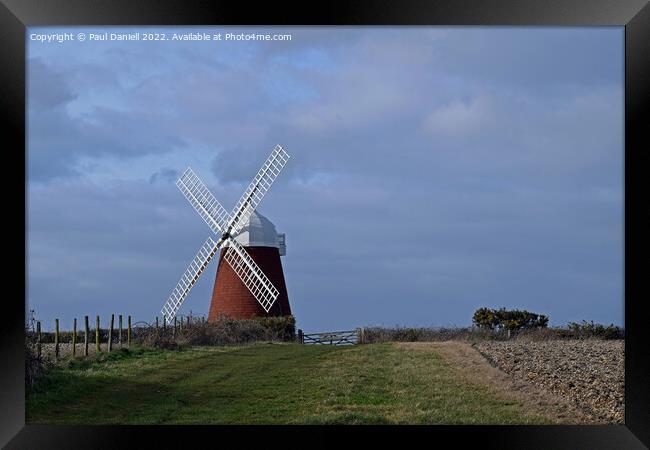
258,187
250,274
189,278
203,201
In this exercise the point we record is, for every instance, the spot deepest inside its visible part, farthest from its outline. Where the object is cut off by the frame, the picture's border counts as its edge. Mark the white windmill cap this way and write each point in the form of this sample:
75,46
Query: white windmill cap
258,232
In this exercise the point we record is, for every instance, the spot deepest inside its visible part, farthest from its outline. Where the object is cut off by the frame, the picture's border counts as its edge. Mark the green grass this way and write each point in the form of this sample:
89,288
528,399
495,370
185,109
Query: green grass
267,384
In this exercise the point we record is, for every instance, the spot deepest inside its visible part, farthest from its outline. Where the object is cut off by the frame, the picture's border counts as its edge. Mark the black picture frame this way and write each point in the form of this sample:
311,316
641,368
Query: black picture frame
634,15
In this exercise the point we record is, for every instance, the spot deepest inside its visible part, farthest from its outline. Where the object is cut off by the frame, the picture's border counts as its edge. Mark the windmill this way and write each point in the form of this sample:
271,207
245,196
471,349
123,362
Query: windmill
227,226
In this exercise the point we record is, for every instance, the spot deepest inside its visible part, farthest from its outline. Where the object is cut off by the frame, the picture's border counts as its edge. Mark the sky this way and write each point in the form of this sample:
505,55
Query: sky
433,170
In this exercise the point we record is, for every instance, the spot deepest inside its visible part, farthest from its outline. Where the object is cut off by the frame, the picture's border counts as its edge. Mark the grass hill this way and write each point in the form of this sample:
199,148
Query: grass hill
270,384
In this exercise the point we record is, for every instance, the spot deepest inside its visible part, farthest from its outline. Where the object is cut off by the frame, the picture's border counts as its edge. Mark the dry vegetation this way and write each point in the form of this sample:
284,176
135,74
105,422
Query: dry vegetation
223,331
374,335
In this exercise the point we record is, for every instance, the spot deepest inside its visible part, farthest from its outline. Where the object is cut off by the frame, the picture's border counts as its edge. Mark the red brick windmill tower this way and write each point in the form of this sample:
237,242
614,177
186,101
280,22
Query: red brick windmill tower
249,278
230,296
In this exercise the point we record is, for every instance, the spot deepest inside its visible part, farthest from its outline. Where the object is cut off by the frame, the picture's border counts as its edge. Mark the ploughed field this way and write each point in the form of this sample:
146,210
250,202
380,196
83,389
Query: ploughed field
286,383
588,372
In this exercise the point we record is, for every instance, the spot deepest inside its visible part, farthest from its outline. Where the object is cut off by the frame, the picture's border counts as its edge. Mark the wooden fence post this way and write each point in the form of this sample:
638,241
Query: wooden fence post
56,338
38,338
74,338
97,348
128,333
301,337
174,332
110,333
156,324
188,321
119,335
164,322
86,343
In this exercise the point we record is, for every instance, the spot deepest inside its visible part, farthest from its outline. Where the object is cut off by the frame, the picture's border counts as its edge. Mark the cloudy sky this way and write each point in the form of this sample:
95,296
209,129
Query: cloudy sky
433,171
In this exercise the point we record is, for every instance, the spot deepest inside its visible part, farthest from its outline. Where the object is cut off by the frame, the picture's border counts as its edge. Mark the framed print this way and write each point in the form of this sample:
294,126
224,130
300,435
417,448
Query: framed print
426,219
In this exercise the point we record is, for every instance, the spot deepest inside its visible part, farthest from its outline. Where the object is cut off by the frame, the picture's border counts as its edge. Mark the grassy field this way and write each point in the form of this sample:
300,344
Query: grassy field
269,384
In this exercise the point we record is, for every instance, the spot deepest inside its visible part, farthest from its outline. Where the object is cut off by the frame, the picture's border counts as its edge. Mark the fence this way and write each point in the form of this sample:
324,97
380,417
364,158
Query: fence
61,343
106,337
349,337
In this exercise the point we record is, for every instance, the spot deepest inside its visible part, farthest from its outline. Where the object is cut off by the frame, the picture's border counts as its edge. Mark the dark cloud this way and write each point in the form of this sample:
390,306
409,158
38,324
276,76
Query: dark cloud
165,175
239,165
48,88
545,61
58,140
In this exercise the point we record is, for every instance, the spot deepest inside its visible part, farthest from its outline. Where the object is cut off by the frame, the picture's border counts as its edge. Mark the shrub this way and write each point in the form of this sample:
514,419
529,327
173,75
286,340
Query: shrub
34,365
283,327
539,334
223,331
407,334
509,320
594,330
372,335
485,318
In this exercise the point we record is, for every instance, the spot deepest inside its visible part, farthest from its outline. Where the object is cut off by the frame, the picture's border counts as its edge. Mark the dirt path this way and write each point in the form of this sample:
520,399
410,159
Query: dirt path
471,366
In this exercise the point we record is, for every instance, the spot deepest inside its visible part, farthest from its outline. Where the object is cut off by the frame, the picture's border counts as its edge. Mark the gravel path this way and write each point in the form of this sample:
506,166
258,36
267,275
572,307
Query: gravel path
589,372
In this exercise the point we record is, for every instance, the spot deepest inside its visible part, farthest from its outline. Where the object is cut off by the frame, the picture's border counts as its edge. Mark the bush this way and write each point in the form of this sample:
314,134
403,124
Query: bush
373,335
509,320
594,330
282,327
223,331
408,334
485,318
34,365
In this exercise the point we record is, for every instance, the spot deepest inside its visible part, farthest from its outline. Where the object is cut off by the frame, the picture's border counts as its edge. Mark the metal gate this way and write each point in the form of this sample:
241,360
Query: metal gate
349,337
